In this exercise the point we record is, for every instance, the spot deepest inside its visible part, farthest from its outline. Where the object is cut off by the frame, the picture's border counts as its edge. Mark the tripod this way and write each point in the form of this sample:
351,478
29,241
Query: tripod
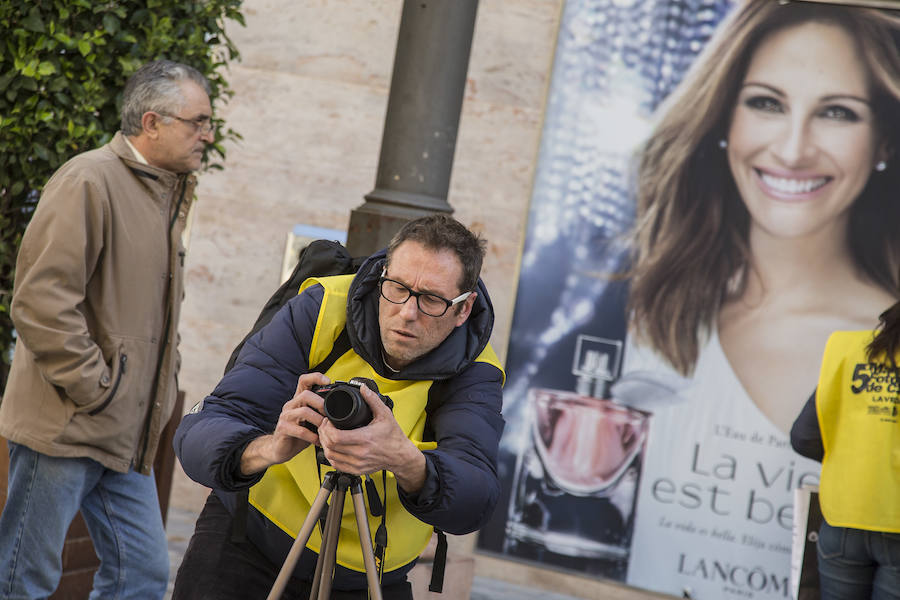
334,484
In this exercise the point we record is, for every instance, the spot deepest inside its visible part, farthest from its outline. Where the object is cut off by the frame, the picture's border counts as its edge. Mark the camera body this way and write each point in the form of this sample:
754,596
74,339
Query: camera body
345,407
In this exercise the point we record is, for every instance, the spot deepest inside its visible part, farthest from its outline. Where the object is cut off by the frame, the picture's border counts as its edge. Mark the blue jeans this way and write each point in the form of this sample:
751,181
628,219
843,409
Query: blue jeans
858,565
122,514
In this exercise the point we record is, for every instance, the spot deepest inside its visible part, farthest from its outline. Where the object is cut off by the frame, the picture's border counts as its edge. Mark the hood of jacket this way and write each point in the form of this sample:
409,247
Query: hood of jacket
451,357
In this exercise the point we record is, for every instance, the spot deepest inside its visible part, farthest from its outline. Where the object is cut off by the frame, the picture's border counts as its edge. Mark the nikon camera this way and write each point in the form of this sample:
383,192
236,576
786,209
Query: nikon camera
344,405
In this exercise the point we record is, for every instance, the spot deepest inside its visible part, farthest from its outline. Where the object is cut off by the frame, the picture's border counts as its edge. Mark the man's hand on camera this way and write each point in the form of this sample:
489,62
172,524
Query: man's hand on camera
290,435
380,445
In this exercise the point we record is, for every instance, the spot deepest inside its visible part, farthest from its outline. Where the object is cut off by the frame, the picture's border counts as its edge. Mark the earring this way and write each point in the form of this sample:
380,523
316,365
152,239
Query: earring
880,166
723,143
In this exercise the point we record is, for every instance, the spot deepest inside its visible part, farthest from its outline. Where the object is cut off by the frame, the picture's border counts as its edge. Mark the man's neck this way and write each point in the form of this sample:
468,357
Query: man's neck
384,359
144,150
137,154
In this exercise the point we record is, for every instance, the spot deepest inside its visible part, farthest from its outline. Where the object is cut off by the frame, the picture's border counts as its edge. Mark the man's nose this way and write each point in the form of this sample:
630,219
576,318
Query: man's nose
410,309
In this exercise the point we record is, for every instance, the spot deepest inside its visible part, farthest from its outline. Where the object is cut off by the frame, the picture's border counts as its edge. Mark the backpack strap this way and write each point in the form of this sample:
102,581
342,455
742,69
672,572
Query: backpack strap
319,258
338,349
239,519
440,563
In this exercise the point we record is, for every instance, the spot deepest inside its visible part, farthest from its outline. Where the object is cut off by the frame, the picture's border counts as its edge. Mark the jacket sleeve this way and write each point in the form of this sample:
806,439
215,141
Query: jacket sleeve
247,401
806,437
461,485
58,254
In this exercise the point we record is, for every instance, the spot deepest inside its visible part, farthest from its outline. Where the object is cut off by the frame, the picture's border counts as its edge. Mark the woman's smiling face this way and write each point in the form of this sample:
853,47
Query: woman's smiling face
802,142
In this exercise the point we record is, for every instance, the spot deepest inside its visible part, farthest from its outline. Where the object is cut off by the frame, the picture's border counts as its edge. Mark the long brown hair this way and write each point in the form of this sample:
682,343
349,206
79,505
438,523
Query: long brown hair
887,339
690,241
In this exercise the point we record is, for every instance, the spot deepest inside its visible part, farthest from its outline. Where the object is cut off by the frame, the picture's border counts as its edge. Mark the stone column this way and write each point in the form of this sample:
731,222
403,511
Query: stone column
427,88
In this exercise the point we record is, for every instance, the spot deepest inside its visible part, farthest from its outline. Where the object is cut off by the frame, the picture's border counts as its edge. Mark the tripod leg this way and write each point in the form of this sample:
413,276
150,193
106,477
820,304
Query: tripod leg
330,531
302,537
365,541
330,544
317,575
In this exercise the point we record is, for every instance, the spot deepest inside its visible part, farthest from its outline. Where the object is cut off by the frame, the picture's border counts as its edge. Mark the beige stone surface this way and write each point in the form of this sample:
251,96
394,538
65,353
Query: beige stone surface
310,98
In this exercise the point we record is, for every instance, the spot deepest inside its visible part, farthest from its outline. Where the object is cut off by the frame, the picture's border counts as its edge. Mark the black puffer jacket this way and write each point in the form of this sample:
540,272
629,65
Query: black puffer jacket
461,487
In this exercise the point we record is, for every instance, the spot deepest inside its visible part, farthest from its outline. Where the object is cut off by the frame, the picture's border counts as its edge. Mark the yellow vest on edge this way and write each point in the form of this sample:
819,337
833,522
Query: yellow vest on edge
857,405
286,492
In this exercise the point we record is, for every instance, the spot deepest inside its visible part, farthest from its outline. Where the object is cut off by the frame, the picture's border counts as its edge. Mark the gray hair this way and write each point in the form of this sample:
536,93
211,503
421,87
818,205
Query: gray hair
156,87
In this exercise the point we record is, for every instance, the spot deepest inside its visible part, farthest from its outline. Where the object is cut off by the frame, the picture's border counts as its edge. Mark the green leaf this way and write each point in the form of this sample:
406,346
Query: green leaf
84,47
30,69
33,21
41,151
56,84
6,79
46,68
110,23
62,100
140,16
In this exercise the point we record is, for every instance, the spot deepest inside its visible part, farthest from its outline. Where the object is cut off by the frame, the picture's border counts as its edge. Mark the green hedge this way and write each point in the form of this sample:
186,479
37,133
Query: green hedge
63,65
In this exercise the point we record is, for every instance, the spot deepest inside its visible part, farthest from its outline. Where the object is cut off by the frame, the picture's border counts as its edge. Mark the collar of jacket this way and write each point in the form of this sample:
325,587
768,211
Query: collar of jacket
153,177
454,354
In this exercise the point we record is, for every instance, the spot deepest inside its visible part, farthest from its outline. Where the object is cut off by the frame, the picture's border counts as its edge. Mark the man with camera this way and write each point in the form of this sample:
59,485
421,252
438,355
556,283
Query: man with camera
417,320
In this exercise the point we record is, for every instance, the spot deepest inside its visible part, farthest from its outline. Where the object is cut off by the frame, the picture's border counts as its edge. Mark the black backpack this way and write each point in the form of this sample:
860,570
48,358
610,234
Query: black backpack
320,258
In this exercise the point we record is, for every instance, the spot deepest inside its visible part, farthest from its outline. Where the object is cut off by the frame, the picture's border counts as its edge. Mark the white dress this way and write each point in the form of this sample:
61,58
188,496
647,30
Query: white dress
715,501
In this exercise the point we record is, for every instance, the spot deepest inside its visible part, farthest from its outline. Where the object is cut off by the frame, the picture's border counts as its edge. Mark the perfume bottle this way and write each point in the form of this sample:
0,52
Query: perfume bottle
576,476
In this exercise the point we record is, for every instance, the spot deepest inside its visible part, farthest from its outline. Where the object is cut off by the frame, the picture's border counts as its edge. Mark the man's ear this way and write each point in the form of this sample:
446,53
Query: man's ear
466,309
150,122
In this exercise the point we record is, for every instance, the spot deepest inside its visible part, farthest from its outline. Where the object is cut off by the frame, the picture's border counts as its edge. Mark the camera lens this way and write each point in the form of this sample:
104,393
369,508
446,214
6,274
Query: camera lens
346,408
340,404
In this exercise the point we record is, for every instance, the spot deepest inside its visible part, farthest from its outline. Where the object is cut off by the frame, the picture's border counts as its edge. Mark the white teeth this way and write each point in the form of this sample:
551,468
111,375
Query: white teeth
793,186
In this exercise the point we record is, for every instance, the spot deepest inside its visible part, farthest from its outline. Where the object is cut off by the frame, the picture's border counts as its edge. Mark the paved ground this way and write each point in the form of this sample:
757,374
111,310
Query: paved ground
180,526
484,588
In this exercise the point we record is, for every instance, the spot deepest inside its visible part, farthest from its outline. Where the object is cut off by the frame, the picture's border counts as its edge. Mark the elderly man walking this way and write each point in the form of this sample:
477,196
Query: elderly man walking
93,381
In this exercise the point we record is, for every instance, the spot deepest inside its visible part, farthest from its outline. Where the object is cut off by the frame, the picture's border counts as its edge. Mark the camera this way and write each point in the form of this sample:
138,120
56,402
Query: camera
344,405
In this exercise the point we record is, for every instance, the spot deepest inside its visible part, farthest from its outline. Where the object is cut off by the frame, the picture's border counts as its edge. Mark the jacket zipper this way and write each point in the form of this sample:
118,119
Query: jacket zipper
162,353
142,455
122,360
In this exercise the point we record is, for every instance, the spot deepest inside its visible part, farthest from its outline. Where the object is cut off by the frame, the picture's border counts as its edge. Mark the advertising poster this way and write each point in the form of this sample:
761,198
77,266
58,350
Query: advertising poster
718,170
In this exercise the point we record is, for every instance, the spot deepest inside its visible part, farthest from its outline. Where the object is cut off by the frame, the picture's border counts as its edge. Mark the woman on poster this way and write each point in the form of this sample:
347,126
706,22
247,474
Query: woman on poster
766,210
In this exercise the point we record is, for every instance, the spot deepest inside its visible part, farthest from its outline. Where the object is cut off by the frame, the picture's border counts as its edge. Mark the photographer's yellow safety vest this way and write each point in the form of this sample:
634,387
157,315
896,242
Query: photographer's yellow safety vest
857,402
287,491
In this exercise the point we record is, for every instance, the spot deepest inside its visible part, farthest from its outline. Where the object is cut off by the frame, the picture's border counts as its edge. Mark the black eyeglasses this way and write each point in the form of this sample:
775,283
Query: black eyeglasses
202,124
430,304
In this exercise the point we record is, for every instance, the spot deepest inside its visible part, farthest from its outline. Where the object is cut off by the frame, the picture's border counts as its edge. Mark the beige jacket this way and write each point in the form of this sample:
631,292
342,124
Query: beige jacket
96,301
